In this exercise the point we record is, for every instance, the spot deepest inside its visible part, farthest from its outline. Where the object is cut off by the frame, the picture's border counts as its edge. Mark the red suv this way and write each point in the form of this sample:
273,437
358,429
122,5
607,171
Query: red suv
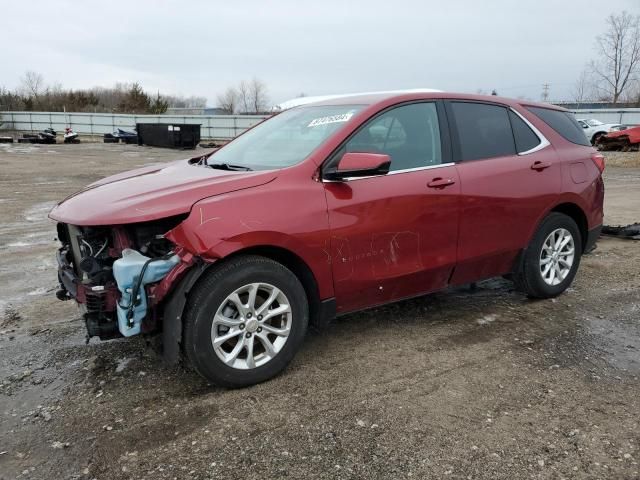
326,209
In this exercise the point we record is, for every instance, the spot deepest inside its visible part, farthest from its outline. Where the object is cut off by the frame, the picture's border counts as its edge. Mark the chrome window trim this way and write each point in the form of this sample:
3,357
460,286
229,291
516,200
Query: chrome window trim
394,172
543,140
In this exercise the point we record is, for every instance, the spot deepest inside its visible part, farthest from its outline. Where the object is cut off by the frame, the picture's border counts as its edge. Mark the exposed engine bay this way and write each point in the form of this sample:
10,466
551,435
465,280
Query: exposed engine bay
115,273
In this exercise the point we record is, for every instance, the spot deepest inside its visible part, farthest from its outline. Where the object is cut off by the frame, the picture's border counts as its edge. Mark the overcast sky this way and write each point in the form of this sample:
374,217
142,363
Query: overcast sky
322,47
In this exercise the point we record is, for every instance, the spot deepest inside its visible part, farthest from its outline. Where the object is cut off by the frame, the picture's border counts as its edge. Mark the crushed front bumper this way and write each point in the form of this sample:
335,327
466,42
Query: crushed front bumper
99,301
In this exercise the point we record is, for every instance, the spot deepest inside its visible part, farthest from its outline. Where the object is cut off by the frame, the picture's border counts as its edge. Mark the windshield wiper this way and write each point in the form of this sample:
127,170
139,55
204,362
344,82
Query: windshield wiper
228,166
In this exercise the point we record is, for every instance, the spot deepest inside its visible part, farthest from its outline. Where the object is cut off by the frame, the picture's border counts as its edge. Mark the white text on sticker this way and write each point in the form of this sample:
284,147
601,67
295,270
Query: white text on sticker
343,117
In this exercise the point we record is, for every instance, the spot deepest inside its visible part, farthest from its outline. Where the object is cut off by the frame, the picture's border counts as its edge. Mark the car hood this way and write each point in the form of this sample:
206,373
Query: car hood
151,193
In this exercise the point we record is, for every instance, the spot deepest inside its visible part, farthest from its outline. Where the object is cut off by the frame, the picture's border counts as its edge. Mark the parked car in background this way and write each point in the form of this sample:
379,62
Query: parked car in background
594,129
325,209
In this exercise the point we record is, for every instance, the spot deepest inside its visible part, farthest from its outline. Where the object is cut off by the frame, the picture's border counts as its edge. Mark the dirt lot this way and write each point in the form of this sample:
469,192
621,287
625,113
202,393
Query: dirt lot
462,384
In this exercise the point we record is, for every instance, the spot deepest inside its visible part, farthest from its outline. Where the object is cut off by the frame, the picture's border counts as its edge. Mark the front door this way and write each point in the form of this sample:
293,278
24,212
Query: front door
394,236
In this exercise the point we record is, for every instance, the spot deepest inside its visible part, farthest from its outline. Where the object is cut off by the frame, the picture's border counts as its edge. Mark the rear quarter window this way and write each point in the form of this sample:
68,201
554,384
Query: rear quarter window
563,123
525,138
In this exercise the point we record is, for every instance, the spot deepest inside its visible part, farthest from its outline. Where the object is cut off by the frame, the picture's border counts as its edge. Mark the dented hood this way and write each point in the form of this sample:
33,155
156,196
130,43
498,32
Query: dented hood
151,193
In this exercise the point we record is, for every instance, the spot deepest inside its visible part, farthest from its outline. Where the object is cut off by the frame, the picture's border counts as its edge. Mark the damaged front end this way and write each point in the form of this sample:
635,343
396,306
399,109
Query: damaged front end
120,274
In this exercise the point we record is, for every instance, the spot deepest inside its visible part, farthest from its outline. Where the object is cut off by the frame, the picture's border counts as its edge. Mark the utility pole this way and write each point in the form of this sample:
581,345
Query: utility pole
545,92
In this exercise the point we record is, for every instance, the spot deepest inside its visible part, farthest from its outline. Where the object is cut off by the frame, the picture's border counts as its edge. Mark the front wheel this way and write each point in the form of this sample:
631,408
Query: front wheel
245,321
595,140
551,260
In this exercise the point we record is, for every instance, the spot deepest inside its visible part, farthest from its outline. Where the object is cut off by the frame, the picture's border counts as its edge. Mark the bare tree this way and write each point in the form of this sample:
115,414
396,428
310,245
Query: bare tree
244,96
619,54
258,95
228,101
32,83
582,88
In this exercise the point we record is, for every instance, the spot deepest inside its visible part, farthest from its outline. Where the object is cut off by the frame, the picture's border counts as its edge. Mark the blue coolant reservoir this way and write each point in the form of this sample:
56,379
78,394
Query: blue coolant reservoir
126,271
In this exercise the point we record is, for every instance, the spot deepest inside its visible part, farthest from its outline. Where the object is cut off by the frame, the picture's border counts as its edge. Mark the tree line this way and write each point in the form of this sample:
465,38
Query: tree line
34,95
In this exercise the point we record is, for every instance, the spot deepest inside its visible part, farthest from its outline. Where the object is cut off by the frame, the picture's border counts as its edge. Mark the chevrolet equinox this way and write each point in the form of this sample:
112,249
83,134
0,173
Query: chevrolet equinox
325,209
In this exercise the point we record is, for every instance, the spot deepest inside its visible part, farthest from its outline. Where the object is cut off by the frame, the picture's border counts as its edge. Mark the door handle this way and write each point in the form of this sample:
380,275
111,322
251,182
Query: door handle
539,166
440,182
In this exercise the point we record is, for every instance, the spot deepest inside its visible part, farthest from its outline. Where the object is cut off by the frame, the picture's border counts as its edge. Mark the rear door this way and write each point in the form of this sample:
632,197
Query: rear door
394,235
509,176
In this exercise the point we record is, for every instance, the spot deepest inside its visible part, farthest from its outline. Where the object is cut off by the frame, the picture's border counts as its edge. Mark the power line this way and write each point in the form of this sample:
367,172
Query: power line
545,92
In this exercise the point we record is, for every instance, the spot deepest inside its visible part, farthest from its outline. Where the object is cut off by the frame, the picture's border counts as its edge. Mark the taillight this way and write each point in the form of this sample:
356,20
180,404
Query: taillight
598,159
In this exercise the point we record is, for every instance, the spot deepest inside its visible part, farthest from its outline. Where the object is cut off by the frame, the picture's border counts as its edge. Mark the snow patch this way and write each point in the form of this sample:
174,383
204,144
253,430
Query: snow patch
487,319
38,291
122,364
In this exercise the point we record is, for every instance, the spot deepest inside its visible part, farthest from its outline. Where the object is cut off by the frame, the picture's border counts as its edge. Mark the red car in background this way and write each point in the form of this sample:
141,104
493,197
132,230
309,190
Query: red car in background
625,140
326,209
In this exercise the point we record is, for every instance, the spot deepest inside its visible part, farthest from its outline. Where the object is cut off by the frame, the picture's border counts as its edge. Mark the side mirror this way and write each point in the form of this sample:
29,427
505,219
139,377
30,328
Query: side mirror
359,164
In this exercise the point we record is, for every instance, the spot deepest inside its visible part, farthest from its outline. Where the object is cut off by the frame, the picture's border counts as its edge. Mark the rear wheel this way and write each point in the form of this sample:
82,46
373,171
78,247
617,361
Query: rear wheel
245,321
551,260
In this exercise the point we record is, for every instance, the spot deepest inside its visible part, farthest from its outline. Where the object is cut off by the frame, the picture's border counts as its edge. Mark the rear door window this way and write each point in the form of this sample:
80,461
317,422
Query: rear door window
525,138
484,131
563,123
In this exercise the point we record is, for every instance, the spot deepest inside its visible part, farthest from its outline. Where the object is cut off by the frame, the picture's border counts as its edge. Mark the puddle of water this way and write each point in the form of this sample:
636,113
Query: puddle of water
617,339
28,270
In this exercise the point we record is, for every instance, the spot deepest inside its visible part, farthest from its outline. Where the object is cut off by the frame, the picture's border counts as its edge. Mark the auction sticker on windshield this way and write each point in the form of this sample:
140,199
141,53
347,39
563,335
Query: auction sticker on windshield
343,117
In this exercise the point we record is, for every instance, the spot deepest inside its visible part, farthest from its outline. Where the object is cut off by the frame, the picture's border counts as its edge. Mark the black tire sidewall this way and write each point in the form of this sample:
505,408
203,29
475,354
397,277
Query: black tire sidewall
537,287
198,335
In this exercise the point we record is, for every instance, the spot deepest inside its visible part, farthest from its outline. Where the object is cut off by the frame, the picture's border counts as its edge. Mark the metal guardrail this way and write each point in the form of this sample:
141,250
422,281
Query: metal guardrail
219,127
626,116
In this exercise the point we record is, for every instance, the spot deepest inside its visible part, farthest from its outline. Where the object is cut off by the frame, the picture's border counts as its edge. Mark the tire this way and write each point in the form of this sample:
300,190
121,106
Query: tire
530,277
213,297
596,137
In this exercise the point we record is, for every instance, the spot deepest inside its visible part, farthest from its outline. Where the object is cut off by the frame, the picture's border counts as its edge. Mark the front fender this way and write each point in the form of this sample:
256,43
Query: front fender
291,216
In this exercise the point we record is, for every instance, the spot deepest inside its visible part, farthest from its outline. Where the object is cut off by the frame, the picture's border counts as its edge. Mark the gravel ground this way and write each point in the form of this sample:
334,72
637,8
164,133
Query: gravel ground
480,383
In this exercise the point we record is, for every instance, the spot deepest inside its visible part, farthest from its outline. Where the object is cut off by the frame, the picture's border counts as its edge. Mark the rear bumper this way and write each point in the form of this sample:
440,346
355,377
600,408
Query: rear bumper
592,238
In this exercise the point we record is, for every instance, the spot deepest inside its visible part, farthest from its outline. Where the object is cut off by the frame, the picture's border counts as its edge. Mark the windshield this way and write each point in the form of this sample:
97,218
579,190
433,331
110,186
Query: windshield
285,139
594,123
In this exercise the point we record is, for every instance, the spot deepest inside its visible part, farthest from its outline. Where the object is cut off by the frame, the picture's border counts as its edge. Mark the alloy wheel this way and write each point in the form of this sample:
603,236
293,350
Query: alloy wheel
557,256
251,326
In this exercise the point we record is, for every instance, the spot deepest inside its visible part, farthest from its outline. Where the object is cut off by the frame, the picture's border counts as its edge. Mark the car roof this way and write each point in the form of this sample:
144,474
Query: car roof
397,96
296,102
